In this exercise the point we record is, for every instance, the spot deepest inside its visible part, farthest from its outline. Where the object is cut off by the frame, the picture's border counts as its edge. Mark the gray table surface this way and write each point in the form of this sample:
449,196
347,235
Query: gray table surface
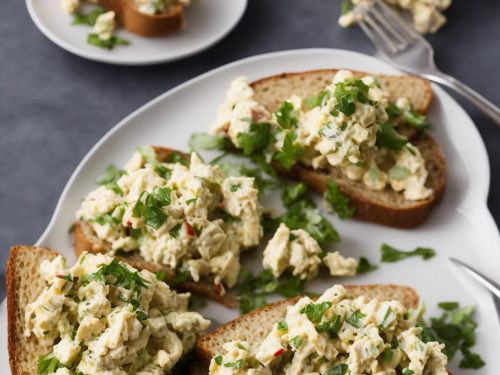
54,106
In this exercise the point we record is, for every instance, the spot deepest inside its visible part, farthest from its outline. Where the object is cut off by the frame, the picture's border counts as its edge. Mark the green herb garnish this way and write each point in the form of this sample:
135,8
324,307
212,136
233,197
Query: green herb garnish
340,369
89,18
296,342
365,266
317,100
205,141
315,311
355,318
391,254
110,43
256,139
47,365
290,152
388,138
287,116
337,201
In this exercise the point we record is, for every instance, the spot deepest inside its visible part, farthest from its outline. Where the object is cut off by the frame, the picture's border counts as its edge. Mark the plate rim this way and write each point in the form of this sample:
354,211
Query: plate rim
111,59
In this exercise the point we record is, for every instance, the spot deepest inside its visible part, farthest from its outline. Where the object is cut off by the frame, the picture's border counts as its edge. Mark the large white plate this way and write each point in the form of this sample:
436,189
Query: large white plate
207,21
460,226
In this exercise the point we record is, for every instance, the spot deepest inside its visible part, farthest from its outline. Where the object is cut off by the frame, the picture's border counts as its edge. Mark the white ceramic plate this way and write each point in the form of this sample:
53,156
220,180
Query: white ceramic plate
460,226
207,21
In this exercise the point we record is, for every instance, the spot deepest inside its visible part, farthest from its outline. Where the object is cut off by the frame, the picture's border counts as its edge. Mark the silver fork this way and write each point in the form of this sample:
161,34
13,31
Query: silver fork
410,52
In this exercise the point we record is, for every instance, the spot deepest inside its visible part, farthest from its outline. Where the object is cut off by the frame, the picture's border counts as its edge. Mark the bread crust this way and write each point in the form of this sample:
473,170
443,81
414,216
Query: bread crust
142,24
386,207
85,240
20,358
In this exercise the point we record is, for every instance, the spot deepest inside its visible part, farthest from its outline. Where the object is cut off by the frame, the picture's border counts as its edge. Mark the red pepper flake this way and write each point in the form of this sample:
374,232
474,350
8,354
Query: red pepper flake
189,230
226,129
279,352
221,205
129,223
257,115
218,289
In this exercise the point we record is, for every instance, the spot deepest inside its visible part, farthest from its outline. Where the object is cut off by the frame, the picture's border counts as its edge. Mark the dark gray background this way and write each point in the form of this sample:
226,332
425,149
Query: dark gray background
54,106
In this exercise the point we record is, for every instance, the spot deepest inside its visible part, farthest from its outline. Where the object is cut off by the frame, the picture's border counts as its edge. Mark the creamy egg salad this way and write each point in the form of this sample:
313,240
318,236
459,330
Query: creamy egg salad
427,14
105,25
182,214
298,252
152,7
345,126
337,335
104,317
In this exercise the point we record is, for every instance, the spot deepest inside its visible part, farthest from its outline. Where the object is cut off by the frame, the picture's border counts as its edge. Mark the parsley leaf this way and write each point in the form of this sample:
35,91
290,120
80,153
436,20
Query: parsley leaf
218,360
332,326
253,289
294,193
355,318
290,152
256,139
181,276
407,371
234,365
317,100
388,318
388,138
149,206
282,326
296,342
455,328
287,116
89,18
410,117
47,365
365,266
235,169
110,43
315,311
205,141
110,177
340,369
391,255
337,201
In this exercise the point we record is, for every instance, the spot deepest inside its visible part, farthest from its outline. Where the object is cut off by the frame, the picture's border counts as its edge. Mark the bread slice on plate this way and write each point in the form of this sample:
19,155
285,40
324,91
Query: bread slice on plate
143,24
256,325
385,207
24,284
86,240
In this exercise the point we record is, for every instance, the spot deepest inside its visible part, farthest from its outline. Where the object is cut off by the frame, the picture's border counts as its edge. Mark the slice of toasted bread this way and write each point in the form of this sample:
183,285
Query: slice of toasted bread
386,207
24,284
255,326
143,24
86,240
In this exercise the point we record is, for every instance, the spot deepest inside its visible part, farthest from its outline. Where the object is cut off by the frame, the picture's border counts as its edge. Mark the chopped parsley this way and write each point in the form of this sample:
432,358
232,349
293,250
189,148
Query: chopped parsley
47,365
331,326
388,138
292,194
235,169
282,326
181,276
347,93
149,206
218,360
234,187
256,139
253,289
391,254
290,152
205,141
337,201
317,100
340,369
296,342
456,329
88,19
287,116
174,232
315,311
388,318
410,117
355,318
407,371
110,177
110,43
345,7
365,266
161,276
235,365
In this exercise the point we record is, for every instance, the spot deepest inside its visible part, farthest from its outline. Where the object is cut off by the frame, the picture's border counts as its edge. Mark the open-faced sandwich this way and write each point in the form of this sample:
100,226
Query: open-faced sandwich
364,133
99,317
147,18
348,330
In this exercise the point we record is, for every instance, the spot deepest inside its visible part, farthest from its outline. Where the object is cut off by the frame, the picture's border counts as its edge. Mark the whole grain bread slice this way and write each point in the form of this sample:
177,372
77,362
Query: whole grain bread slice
85,239
143,24
385,207
24,284
254,326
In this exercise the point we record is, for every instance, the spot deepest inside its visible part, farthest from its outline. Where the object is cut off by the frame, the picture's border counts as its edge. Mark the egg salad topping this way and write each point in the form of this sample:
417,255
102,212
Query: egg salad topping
152,7
349,125
297,251
427,14
181,214
104,317
337,335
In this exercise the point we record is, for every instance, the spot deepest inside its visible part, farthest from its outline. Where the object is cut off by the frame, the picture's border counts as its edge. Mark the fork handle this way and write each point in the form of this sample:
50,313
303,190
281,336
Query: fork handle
478,100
